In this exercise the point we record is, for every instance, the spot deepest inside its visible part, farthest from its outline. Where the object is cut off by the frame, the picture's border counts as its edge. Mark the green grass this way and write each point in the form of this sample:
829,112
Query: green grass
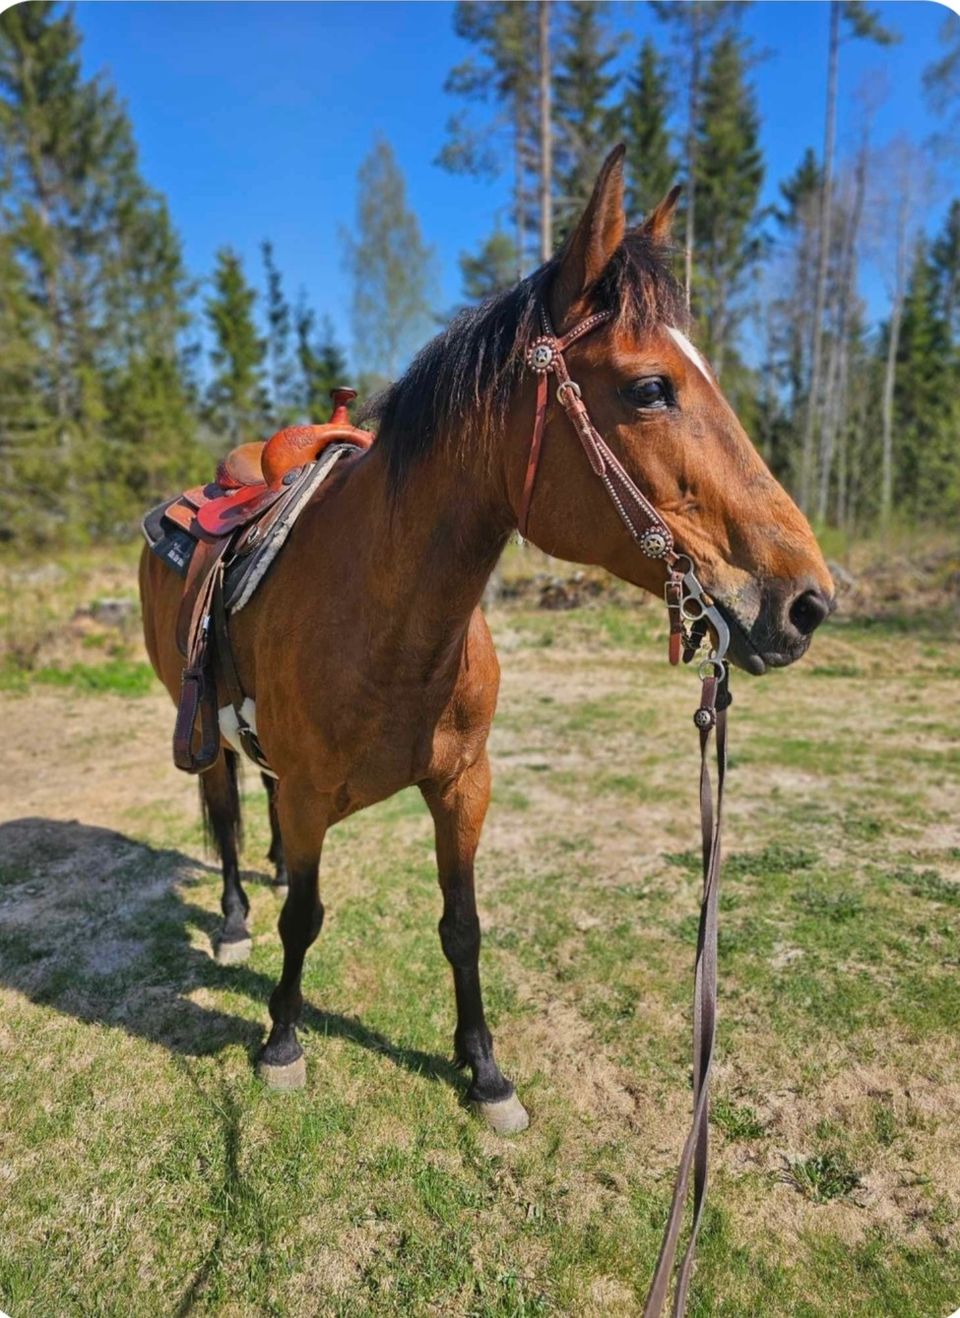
150,1173
824,1176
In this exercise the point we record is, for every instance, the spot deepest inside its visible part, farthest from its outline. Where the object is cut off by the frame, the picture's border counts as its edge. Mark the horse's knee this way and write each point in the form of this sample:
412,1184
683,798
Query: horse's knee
300,920
460,939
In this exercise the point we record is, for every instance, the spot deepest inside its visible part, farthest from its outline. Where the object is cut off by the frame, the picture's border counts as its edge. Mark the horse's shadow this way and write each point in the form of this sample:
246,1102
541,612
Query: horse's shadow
93,924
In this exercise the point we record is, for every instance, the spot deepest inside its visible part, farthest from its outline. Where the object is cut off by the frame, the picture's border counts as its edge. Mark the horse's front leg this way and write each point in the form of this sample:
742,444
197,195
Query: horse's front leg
303,825
459,808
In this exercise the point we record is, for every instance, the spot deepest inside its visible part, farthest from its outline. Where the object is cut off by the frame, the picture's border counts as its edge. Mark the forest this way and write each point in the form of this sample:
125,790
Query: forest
132,370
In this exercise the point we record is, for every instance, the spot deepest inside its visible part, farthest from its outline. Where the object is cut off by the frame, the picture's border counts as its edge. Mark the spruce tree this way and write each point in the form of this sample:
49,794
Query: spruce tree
727,190
283,404
926,403
492,270
322,364
236,399
392,268
586,123
651,168
696,25
98,292
945,256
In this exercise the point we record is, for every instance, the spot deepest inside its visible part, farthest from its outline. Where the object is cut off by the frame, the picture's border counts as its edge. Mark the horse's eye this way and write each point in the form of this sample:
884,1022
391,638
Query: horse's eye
651,392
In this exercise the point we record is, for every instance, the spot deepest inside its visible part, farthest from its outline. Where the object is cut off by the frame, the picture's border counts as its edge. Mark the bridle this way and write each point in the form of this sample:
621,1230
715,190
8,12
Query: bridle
691,612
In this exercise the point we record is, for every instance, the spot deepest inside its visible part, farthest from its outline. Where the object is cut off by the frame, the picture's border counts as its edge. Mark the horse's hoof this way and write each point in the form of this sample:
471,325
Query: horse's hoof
281,889
231,954
508,1117
291,1076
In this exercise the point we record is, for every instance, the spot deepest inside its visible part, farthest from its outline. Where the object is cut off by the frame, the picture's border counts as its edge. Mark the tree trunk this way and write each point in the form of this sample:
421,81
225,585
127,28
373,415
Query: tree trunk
546,137
835,400
890,369
807,475
519,193
692,105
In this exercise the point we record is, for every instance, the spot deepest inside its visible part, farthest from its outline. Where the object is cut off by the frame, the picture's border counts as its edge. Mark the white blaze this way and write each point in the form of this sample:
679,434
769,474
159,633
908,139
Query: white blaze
688,350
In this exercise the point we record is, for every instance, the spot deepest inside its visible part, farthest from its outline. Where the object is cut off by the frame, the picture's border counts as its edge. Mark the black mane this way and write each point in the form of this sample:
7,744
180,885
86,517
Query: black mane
461,383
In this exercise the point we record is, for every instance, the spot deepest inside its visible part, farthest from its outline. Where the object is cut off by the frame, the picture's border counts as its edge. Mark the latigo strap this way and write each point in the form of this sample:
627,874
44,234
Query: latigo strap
687,603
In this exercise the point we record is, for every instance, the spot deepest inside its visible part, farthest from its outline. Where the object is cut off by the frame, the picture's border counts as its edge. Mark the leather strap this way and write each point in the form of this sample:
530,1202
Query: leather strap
231,679
682,588
697,1145
635,510
198,694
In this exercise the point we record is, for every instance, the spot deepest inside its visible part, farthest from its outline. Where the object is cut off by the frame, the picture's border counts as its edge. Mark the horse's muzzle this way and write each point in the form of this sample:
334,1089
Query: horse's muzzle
781,628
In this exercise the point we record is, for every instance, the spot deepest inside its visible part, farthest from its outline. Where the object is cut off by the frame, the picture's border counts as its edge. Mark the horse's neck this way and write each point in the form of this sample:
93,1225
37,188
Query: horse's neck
431,548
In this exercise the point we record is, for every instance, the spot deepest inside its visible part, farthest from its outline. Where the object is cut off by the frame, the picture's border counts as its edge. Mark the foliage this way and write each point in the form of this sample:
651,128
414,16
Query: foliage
493,270
236,397
283,401
502,75
586,119
95,299
651,166
323,366
391,265
727,181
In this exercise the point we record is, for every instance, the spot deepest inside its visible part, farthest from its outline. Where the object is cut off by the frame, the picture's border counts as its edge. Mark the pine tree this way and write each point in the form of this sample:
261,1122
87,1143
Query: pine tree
945,256
585,121
236,400
492,270
504,75
651,168
926,404
98,289
392,268
727,189
696,26
322,364
283,406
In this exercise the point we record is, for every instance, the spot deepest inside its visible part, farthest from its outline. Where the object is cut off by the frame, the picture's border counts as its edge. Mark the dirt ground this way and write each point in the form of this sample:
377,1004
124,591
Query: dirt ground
145,1171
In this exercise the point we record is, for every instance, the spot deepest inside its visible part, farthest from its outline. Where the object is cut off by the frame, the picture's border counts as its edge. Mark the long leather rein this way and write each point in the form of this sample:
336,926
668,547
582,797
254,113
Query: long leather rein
692,613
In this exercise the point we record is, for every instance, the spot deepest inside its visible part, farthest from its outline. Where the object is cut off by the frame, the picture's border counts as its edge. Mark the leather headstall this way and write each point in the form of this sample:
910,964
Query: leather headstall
692,613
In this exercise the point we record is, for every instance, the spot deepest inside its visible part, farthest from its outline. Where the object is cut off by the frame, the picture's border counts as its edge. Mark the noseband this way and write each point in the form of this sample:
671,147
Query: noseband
691,612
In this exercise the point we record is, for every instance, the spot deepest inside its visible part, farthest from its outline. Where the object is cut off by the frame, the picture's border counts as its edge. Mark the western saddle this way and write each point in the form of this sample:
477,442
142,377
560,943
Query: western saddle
221,538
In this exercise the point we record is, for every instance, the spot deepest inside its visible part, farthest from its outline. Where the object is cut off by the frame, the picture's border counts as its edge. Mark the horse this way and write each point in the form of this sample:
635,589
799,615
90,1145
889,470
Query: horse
366,651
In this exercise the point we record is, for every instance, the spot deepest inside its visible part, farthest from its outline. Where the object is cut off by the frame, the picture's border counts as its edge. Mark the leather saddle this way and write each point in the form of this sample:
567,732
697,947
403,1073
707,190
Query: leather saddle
258,491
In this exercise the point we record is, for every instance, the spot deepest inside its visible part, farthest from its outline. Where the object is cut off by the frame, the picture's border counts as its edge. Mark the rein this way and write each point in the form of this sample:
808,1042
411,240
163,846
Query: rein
691,613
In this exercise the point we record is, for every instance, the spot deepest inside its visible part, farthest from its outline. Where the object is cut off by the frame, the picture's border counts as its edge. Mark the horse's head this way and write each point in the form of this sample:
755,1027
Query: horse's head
659,406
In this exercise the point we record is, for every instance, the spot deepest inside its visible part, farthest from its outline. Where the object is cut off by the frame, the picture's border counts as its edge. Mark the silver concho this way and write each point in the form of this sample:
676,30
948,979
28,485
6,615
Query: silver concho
704,718
541,355
654,543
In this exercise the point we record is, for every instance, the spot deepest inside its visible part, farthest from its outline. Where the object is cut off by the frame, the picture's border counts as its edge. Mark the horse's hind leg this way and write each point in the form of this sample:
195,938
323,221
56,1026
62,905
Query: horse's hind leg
220,799
275,854
458,810
281,1063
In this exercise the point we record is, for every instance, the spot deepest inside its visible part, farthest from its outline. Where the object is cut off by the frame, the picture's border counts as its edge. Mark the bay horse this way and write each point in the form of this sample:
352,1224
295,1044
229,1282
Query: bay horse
365,648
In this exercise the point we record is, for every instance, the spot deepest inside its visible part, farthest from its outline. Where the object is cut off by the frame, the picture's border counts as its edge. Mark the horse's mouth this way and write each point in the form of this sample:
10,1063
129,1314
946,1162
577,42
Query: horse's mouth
745,653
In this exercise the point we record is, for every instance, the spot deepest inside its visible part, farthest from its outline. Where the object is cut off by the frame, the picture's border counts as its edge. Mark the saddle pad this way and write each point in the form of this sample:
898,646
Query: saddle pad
247,569
169,542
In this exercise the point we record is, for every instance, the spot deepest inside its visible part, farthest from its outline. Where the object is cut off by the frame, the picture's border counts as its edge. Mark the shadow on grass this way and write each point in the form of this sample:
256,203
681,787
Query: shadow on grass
91,924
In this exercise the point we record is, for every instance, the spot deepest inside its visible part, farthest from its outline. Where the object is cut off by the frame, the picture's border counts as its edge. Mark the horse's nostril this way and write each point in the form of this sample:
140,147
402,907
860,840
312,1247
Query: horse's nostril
808,611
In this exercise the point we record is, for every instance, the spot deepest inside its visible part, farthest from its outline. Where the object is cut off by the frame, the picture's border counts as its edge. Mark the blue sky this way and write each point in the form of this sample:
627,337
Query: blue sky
252,118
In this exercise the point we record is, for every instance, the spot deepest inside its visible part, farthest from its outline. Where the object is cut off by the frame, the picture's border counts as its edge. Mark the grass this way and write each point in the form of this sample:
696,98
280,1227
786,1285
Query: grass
145,1171
824,1176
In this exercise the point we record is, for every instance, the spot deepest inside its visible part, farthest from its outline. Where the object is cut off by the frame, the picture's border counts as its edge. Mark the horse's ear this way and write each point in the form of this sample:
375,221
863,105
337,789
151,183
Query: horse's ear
589,248
658,223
